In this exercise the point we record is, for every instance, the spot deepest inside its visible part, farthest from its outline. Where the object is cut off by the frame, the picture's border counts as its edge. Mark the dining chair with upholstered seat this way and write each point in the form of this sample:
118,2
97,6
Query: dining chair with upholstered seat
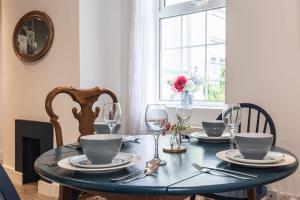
254,119
86,116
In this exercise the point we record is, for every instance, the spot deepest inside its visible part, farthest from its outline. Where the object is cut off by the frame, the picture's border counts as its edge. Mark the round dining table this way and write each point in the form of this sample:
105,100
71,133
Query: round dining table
177,180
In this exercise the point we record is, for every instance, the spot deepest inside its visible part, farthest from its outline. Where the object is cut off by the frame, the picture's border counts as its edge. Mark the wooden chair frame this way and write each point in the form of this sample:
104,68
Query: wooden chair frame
86,116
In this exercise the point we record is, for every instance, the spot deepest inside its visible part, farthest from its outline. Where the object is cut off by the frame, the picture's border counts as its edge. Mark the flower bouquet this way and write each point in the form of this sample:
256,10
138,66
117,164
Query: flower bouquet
185,87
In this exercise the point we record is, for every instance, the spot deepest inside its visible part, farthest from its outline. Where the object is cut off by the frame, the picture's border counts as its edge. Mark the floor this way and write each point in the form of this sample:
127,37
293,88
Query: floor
29,192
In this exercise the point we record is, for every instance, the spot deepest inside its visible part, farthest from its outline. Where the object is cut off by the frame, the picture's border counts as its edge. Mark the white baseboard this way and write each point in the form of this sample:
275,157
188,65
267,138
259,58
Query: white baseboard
15,177
48,189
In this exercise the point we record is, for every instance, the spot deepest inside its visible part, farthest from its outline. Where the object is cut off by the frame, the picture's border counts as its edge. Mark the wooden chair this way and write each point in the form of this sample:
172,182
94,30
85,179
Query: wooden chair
86,117
267,122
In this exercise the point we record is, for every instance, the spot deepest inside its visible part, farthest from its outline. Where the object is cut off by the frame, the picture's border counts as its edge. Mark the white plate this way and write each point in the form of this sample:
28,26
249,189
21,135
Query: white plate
271,157
83,161
288,160
65,164
202,136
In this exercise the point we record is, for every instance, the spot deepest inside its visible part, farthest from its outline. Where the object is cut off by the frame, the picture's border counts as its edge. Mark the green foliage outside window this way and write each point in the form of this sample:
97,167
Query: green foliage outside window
216,91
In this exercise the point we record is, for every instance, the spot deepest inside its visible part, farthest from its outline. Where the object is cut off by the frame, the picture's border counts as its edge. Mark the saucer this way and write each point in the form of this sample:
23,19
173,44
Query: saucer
202,136
271,157
288,160
83,162
65,164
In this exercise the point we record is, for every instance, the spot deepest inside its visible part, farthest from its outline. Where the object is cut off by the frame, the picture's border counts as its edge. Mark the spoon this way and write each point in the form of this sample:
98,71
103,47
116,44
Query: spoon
151,168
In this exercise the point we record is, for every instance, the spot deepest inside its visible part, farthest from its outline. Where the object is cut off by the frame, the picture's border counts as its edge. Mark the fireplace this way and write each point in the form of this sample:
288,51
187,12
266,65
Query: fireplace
32,138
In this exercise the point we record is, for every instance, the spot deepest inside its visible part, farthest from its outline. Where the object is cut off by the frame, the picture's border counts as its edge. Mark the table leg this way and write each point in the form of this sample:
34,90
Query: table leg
251,192
64,193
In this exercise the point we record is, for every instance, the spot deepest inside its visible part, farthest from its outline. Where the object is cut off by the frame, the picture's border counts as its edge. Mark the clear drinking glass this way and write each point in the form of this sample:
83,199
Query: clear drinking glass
156,118
184,111
112,115
231,116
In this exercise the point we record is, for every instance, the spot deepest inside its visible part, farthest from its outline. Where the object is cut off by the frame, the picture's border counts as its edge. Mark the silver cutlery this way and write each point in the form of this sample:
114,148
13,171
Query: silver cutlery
206,170
73,146
120,178
150,169
230,171
51,164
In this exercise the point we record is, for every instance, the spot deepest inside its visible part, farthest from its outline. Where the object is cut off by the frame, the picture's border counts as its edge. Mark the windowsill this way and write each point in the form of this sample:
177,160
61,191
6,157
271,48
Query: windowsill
197,105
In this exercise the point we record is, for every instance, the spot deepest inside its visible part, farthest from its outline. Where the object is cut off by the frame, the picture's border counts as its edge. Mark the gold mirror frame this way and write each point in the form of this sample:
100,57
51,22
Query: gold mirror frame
50,34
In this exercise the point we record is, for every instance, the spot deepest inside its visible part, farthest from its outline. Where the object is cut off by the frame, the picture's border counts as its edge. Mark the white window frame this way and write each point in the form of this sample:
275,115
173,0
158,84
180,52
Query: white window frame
178,10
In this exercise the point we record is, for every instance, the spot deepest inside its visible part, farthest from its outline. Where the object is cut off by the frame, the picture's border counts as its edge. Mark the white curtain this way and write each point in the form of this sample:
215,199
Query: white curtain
141,77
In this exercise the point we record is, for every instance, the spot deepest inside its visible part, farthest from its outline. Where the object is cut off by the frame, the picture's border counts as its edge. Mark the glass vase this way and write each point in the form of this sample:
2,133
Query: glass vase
176,141
186,98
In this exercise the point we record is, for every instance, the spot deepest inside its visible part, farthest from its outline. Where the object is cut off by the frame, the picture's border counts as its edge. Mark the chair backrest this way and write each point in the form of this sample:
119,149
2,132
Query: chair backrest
86,116
251,109
7,189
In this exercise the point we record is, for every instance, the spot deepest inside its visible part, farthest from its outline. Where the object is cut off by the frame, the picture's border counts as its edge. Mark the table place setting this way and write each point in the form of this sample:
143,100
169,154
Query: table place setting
253,150
101,154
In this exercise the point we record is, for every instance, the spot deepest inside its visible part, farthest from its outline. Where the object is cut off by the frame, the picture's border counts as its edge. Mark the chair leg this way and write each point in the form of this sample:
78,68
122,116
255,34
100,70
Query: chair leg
65,193
251,192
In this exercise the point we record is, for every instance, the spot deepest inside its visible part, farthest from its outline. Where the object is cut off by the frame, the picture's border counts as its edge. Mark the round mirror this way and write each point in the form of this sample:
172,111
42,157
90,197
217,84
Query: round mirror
33,36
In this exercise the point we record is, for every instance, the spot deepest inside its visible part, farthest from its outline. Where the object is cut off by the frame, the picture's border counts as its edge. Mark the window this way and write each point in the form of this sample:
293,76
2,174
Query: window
192,43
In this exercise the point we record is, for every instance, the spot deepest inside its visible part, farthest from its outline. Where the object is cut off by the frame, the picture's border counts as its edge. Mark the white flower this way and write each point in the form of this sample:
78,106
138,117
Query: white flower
189,86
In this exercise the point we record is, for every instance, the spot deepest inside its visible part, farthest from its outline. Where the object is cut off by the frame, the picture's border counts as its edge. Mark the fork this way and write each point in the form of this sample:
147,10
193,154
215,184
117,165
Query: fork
205,170
231,171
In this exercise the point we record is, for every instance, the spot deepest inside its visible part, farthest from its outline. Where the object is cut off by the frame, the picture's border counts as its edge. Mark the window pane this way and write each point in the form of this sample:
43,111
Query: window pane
166,93
216,91
170,68
193,29
171,59
193,61
173,2
216,26
216,62
171,32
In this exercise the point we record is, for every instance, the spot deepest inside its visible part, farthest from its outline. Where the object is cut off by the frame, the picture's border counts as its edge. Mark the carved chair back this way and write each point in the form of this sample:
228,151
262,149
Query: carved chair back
86,116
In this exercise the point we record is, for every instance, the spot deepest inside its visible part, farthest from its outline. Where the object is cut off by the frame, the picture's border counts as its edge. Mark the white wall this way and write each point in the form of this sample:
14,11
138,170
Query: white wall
25,85
101,46
263,66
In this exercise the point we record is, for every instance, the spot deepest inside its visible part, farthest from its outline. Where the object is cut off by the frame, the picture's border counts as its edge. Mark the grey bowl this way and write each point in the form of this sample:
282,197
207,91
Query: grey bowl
101,148
102,128
254,145
214,128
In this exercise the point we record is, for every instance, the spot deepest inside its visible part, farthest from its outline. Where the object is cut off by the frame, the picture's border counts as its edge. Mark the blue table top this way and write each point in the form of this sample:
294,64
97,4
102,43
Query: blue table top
177,177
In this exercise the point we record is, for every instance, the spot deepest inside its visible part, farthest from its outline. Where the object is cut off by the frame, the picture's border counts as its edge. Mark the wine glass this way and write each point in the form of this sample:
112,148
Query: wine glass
156,119
112,115
184,113
231,116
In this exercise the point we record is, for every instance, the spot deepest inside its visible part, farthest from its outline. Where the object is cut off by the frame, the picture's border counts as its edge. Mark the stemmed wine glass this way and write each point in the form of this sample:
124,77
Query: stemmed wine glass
231,116
156,118
184,112
112,115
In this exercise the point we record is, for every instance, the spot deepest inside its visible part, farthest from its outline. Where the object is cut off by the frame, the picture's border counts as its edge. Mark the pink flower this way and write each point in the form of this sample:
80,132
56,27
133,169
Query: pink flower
168,127
179,84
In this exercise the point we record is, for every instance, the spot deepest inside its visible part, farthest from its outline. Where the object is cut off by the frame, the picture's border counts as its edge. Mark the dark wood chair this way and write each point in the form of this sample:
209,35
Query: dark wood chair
86,117
256,120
